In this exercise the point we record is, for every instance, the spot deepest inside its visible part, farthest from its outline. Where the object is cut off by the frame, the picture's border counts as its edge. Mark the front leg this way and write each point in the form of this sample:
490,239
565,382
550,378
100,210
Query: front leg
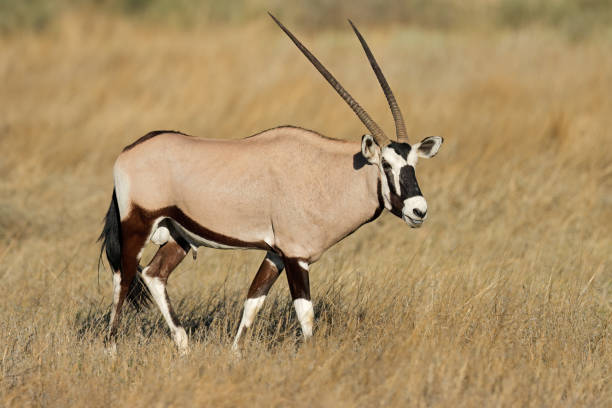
270,269
299,286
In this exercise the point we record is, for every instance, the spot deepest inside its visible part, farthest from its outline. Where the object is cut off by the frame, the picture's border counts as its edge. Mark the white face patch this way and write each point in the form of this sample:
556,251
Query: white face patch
122,191
305,314
386,193
413,157
414,208
418,203
397,162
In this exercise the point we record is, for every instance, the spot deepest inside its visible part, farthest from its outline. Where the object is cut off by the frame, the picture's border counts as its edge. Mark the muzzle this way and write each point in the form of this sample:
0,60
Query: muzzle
414,211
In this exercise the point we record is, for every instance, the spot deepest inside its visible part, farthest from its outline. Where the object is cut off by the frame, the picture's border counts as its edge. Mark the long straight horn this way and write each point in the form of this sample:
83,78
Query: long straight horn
400,128
377,132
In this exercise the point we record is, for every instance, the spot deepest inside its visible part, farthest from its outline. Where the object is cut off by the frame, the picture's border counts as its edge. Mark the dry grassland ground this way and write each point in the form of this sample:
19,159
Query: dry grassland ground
503,298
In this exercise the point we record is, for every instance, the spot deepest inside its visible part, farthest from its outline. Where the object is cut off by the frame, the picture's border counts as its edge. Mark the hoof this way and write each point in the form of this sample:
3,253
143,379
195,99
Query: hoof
182,343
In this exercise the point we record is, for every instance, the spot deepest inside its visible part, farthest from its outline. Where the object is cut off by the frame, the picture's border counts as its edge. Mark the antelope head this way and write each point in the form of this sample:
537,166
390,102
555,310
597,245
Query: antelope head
395,159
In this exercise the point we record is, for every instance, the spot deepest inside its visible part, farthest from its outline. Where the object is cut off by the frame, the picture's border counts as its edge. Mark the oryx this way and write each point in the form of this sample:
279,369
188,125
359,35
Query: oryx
288,191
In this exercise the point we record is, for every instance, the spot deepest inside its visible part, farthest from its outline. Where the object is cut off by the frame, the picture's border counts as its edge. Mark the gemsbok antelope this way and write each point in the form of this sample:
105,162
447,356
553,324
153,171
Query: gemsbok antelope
288,191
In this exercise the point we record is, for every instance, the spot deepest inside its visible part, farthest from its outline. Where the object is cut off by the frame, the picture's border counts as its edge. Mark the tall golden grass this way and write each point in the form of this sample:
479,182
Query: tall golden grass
503,298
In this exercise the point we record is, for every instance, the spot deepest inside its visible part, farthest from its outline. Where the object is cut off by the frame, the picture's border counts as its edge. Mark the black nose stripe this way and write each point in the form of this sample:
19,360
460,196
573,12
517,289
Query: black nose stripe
408,182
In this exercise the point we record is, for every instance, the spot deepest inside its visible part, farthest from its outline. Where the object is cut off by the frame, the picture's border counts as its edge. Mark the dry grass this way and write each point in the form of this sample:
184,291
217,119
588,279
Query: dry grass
502,299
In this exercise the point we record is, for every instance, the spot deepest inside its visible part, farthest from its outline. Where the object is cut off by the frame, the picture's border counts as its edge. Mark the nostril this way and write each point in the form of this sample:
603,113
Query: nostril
419,213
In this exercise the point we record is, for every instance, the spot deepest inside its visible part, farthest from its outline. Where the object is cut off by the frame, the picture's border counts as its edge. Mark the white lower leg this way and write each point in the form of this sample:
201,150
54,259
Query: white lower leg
180,339
158,291
116,290
251,307
305,314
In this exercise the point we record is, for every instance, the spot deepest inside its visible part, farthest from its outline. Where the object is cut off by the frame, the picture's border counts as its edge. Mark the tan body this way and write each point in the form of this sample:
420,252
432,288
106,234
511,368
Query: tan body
289,191
291,188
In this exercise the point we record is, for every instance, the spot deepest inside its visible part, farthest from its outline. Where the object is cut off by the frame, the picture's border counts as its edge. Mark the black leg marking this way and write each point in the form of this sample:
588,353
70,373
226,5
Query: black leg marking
268,272
299,286
297,277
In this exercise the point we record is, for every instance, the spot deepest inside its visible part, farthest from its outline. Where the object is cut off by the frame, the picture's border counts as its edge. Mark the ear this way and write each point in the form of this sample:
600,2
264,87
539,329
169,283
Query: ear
370,149
428,147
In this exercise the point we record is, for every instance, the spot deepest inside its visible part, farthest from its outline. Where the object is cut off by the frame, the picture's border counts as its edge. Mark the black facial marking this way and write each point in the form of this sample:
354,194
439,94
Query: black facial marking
408,185
394,198
389,173
408,182
401,148
396,205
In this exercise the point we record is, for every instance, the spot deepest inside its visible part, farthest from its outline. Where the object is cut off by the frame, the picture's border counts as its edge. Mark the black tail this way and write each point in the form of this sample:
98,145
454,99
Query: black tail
111,235
138,294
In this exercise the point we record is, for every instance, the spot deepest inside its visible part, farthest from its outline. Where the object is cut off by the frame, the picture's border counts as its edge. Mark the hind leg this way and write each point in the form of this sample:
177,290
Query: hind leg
268,272
110,339
132,242
156,274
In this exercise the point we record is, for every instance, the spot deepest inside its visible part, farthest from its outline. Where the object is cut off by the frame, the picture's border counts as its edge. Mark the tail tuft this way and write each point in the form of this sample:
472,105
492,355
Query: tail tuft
111,235
138,294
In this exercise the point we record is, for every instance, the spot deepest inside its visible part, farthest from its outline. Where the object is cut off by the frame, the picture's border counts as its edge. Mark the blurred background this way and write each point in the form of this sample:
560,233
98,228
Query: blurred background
503,298
576,18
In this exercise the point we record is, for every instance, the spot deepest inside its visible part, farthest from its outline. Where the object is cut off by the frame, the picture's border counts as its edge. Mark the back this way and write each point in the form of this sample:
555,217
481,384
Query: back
259,188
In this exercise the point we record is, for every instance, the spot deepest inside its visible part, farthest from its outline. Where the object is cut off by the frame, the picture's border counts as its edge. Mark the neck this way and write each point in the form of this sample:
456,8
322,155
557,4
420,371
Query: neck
360,201
341,196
